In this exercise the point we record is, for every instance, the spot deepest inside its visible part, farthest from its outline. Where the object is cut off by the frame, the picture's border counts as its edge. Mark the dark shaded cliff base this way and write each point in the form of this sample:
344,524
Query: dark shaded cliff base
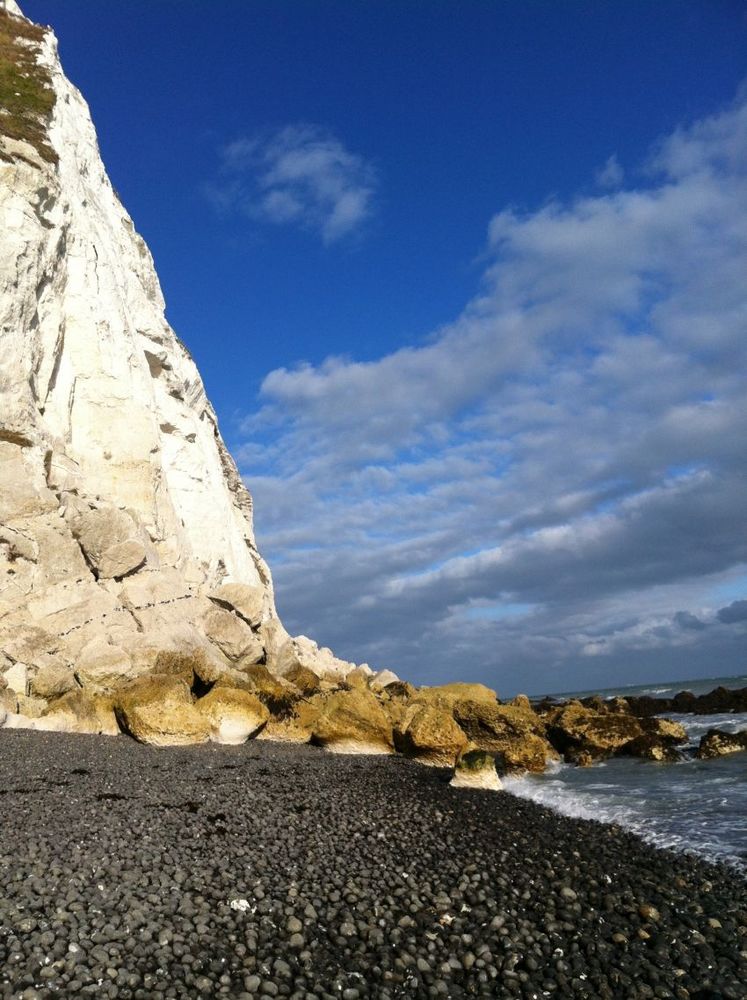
263,870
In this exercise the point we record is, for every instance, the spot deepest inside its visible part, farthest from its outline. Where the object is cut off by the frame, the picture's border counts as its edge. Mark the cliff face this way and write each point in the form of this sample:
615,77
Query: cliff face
97,390
125,528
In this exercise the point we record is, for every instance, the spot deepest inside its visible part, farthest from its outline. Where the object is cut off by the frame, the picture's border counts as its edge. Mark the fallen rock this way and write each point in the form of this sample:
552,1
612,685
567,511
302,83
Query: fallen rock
476,769
158,710
52,681
459,691
102,667
664,730
304,652
521,701
234,716
296,726
246,600
232,636
111,541
304,679
30,706
79,712
651,747
352,722
430,735
595,702
275,692
382,678
514,731
16,678
618,705
400,689
718,701
8,702
359,677
191,662
273,636
717,743
573,727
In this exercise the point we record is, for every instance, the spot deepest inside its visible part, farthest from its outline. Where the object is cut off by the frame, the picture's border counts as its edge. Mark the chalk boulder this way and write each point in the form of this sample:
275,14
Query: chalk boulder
234,716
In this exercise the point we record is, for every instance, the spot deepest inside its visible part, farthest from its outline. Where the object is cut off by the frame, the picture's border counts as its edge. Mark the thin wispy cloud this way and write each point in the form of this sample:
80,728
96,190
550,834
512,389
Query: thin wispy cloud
553,484
612,174
298,175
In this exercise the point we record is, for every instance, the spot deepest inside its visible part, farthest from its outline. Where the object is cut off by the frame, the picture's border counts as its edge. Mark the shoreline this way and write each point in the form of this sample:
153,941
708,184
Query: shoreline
274,870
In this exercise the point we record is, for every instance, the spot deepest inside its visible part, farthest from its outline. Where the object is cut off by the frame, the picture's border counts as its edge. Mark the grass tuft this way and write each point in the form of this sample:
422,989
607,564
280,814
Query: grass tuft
26,94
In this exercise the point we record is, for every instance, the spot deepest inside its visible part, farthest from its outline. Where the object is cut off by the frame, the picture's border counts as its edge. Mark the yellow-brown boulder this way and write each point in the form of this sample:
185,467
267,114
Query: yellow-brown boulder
717,743
514,731
459,691
234,716
304,679
352,722
573,727
430,735
275,692
296,726
158,710
79,712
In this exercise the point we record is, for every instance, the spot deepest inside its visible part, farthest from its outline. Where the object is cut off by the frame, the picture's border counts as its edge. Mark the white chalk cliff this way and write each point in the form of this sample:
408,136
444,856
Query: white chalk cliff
125,528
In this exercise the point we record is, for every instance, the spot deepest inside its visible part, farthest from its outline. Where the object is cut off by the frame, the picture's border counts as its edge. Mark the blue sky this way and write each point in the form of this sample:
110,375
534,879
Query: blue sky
465,282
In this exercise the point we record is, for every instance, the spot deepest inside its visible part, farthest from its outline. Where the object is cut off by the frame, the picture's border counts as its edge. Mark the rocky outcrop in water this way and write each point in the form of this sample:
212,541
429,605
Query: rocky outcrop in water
717,743
714,702
592,730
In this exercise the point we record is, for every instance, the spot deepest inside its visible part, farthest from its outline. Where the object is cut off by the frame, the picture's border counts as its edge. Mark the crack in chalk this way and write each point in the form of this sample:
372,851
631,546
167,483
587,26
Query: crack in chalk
160,604
58,350
230,607
88,621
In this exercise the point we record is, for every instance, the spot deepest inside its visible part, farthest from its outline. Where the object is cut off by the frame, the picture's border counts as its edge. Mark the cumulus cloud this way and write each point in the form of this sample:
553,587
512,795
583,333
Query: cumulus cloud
297,175
548,492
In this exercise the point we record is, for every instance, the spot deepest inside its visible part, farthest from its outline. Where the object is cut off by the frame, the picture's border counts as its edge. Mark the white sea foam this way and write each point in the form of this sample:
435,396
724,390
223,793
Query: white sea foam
698,806
698,725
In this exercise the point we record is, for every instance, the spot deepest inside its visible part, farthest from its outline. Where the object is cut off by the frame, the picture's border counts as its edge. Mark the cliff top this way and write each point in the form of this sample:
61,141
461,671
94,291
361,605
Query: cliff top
26,95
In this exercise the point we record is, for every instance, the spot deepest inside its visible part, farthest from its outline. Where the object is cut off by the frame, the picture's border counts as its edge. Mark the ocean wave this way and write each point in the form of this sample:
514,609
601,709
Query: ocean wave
700,808
698,725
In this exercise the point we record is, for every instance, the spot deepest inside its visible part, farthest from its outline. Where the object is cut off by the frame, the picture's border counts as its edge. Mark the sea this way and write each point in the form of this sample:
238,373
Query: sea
693,806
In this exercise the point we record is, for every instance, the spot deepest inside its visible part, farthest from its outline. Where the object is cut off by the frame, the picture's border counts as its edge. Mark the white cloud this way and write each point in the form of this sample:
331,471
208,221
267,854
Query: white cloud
612,174
573,445
298,175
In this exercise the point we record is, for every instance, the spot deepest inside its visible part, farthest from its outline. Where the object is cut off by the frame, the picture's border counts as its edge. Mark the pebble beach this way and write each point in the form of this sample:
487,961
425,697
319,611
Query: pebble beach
268,870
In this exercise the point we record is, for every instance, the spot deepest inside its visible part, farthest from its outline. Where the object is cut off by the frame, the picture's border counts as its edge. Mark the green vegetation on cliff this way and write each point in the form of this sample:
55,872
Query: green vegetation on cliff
26,94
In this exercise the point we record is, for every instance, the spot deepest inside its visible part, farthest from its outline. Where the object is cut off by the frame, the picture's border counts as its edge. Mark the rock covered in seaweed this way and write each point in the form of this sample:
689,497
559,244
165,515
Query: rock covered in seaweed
717,743
476,769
